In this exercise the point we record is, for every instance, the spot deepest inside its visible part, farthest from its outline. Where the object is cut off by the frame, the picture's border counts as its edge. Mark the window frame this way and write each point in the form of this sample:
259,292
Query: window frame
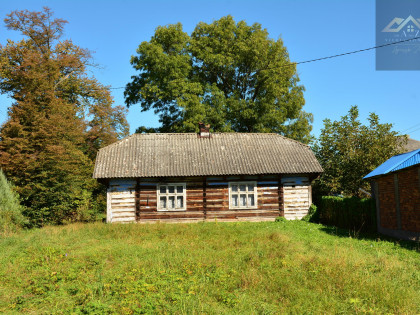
246,183
175,194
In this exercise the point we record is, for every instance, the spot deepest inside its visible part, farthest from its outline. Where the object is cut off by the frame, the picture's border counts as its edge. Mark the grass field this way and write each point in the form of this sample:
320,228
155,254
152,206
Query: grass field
209,268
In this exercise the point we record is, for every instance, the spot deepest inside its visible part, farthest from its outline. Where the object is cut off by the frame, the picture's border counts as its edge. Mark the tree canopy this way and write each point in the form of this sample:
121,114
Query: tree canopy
349,150
59,118
227,74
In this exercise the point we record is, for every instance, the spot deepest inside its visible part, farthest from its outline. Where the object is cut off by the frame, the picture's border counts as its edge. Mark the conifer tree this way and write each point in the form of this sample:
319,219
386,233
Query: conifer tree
11,218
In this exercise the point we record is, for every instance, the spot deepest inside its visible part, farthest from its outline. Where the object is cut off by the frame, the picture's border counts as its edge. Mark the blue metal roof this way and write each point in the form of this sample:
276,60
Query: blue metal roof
396,163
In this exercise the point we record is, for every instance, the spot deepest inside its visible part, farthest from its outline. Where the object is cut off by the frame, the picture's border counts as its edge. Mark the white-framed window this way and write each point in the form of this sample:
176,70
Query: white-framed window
171,197
243,195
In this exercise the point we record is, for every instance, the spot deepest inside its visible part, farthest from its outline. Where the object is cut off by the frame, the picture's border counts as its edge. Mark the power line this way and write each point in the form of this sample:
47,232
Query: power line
322,58
312,60
410,128
414,130
343,54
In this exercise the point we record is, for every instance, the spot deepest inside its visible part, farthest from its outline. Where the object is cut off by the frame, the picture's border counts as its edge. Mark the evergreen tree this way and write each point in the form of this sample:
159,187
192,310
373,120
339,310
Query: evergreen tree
11,218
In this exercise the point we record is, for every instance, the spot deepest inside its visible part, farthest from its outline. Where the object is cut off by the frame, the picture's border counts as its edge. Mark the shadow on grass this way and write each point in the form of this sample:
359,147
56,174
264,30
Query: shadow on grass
370,236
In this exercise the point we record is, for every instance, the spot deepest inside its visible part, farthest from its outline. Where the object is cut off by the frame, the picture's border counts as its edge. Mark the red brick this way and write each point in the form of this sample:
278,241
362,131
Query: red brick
409,191
409,200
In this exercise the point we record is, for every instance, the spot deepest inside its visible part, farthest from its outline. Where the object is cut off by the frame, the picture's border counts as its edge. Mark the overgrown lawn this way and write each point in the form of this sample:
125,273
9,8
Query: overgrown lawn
207,268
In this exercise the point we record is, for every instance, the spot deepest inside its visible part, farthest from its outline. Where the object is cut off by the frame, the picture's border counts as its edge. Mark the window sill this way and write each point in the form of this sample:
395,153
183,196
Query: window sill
244,208
175,210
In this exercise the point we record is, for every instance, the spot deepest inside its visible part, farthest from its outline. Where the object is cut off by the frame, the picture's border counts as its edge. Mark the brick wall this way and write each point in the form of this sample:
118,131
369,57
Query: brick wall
387,204
408,196
409,192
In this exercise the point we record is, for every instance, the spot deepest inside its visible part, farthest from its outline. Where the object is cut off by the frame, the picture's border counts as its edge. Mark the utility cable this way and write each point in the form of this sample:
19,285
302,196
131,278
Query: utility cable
319,59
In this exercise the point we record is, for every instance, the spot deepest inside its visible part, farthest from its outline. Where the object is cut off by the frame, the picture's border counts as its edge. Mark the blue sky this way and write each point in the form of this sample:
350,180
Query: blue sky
309,29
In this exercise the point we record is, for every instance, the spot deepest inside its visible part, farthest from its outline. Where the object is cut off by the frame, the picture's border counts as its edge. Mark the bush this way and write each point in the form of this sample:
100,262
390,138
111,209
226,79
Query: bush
348,213
313,214
11,218
281,219
89,208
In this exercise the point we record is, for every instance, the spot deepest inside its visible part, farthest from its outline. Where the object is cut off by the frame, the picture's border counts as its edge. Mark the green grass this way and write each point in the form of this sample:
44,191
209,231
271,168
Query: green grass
210,268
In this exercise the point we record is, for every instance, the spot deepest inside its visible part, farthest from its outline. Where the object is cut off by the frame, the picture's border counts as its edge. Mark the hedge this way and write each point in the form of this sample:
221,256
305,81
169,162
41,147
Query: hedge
348,213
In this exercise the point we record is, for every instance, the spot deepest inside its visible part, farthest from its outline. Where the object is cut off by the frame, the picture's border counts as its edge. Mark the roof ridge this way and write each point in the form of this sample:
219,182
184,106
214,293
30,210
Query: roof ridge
117,142
409,156
303,144
165,133
232,133
214,133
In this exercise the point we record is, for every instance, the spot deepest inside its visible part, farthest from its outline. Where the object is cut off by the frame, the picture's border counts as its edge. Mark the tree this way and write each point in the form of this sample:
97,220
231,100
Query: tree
59,118
229,75
11,218
348,151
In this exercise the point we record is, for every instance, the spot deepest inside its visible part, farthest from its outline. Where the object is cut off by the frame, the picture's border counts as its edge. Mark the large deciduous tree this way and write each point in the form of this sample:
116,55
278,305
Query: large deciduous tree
59,118
349,150
230,75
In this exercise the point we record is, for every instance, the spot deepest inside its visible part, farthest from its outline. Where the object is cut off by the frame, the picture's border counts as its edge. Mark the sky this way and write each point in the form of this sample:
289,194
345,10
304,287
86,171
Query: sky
309,29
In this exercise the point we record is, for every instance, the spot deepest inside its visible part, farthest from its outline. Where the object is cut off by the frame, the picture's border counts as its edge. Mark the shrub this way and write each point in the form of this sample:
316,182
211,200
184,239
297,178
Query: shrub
313,214
89,208
348,212
281,219
11,218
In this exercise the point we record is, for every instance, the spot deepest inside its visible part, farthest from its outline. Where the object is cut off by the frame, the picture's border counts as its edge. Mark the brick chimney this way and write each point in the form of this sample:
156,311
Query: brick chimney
204,130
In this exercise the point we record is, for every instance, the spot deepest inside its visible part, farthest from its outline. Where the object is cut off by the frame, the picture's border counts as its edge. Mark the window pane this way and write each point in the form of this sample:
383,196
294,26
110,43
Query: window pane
171,189
163,202
250,187
171,202
242,187
163,189
235,188
180,202
251,201
242,200
179,189
234,200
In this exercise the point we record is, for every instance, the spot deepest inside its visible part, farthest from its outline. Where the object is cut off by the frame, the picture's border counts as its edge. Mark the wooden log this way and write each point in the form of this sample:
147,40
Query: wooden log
124,219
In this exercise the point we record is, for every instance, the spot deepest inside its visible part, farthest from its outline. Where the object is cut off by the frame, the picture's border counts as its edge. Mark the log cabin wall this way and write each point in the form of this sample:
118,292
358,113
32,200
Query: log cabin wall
207,199
268,199
215,191
297,196
121,205
148,201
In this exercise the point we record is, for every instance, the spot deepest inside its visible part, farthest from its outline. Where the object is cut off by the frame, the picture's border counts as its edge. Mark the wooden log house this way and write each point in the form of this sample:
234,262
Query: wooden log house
205,177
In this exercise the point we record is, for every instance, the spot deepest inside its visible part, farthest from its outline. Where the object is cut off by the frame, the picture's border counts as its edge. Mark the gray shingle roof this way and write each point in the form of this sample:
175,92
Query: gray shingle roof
160,154
412,145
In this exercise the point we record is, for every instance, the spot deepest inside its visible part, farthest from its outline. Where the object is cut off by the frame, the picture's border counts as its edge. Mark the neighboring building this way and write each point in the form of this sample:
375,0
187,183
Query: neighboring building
412,145
396,186
196,177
